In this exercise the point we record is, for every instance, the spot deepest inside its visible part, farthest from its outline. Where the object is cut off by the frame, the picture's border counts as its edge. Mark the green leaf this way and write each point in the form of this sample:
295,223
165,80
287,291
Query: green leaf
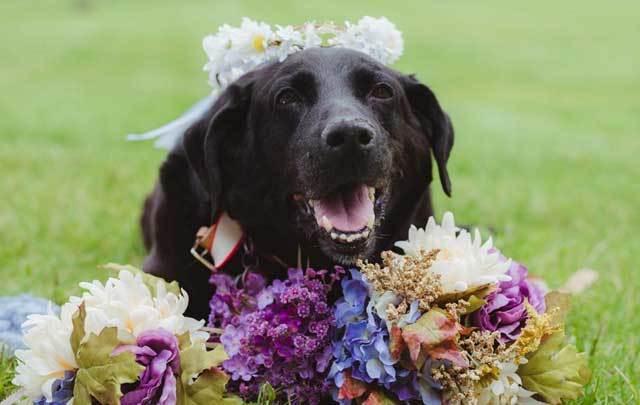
267,394
81,395
184,340
434,334
150,281
558,305
479,291
78,333
210,385
195,359
100,374
475,303
554,371
209,388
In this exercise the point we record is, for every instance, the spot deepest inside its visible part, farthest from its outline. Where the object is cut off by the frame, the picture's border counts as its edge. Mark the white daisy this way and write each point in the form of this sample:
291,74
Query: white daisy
507,389
462,261
377,37
233,51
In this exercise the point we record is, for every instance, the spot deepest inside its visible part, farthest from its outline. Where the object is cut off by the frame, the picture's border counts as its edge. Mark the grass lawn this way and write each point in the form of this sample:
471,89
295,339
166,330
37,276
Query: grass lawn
544,97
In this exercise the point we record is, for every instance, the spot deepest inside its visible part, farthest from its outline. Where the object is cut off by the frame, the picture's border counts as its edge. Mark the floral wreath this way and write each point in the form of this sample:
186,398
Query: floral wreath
233,51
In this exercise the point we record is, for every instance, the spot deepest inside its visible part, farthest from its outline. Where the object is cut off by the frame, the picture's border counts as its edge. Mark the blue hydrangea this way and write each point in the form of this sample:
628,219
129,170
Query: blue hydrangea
362,346
363,343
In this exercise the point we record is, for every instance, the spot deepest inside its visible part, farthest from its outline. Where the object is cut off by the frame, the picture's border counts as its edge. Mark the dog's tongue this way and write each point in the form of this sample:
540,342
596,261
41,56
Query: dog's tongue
348,210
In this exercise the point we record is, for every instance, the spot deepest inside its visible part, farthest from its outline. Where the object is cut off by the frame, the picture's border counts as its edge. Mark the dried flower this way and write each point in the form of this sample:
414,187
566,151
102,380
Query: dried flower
402,281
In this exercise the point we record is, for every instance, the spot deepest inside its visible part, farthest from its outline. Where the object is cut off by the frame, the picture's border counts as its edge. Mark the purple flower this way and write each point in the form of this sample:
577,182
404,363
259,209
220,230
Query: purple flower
505,310
158,351
280,334
229,302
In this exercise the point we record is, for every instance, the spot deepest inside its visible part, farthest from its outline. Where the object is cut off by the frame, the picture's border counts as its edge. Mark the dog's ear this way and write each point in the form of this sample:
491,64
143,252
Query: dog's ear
435,124
206,141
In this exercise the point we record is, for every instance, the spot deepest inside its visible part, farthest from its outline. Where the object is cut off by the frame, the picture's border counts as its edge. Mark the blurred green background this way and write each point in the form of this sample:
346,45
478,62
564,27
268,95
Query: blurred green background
544,96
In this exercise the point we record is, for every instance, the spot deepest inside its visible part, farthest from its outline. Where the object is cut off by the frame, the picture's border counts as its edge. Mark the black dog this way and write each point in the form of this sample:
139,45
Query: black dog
326,153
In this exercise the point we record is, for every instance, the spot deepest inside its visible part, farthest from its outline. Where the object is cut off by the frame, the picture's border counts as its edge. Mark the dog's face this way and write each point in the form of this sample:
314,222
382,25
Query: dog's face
325,145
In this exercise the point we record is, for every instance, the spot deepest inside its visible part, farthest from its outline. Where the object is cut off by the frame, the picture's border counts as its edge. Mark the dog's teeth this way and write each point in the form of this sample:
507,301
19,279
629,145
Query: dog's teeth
372,194
326,223
343,237
366,233
311,203
351,238
334,235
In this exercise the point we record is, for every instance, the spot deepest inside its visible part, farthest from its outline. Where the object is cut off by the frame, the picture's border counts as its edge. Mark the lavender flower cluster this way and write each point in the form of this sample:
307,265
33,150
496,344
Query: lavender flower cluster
278,334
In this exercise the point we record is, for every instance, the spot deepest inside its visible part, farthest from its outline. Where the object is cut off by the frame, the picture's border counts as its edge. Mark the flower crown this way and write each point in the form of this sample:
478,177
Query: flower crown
235,51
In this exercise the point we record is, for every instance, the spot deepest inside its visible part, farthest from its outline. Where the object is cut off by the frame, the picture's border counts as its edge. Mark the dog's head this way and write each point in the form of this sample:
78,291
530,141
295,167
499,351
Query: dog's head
326,145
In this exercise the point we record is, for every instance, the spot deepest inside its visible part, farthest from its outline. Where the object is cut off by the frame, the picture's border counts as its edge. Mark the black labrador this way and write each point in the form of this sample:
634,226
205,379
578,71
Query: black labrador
326,154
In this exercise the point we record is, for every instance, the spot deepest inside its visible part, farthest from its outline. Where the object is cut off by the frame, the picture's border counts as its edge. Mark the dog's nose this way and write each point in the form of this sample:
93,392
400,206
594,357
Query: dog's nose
347,135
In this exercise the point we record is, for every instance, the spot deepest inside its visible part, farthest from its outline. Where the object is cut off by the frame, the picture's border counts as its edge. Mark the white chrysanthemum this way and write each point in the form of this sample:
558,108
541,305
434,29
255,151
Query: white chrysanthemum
463,262
127,303
124,302
377,37
48,356
507,389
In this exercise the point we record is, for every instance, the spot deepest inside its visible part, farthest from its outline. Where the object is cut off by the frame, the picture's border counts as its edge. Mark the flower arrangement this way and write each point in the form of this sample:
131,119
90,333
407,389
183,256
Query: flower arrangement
233,51
125,341
449,321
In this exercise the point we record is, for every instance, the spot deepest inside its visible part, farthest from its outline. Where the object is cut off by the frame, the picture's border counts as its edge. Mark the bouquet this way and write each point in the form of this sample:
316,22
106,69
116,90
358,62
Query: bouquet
122,342
451,320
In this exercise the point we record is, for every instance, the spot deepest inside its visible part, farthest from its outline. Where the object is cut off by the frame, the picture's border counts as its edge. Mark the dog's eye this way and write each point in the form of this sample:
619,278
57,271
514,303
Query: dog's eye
382,91
287,96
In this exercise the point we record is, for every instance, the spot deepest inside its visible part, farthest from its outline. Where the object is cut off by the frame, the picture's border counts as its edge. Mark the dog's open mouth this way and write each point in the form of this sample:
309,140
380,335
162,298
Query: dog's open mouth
347,215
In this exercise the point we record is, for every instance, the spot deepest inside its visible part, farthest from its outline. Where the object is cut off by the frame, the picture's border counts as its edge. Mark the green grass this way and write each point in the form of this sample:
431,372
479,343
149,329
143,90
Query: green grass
544,97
